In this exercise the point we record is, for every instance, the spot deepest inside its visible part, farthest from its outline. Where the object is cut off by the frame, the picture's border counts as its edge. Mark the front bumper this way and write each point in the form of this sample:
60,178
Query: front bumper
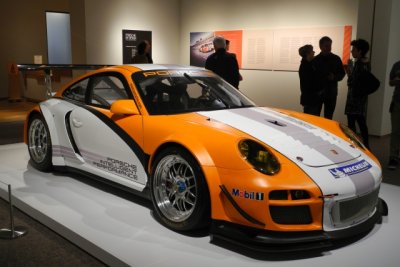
272,241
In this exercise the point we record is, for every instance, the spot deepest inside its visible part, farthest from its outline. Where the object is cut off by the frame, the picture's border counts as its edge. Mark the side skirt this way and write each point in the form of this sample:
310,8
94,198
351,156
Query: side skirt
89,178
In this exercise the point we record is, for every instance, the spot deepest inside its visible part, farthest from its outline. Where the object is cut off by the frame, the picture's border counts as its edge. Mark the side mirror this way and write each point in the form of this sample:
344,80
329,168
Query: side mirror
124,107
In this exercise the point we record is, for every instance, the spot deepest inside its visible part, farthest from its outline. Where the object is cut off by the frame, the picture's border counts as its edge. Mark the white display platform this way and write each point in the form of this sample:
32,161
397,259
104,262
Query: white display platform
121,230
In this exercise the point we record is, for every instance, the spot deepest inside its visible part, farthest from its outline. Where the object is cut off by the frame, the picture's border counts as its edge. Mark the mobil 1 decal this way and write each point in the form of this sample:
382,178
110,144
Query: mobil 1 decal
251,195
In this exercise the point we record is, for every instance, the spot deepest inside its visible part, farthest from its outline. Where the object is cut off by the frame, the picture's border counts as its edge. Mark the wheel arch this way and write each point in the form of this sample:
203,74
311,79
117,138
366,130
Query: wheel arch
207,166
209,177
34,111
198,152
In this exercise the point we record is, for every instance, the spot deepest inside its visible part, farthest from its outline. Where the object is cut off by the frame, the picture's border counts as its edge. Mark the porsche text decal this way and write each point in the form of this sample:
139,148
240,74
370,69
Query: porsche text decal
118,167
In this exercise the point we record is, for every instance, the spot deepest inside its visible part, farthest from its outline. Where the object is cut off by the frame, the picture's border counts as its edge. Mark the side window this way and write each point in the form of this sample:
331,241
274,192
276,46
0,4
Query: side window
106,89
77,91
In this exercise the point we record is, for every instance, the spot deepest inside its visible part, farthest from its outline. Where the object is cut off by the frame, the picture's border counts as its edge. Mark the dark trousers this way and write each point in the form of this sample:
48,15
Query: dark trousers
362,124
395,136
329,107
313,109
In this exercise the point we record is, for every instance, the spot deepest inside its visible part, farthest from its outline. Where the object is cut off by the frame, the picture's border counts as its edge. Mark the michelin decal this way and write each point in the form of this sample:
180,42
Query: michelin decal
351,169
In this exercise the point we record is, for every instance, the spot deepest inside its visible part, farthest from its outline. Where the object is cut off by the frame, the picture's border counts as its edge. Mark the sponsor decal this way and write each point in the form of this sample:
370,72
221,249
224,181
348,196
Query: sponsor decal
301,123
117,167
176,73
351,169
247,195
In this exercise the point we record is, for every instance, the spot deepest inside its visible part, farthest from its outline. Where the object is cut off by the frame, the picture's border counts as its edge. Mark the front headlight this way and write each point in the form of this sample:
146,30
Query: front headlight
354,138
259,157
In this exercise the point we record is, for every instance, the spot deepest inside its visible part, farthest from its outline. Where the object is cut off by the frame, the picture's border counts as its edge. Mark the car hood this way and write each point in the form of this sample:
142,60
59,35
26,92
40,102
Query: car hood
300,141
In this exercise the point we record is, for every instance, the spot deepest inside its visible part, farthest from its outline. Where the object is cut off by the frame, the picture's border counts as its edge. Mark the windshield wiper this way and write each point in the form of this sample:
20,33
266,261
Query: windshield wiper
190,78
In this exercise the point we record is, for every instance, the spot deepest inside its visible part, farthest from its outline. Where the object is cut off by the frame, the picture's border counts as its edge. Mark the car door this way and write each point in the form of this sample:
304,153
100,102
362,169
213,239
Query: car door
110,144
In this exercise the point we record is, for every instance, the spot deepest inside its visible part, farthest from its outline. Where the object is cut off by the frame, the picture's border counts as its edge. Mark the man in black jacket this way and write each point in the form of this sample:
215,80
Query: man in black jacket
330,71
223,63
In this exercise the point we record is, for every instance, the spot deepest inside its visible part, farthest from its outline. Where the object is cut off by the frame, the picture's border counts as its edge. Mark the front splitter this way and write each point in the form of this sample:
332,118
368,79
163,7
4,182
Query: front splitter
273,241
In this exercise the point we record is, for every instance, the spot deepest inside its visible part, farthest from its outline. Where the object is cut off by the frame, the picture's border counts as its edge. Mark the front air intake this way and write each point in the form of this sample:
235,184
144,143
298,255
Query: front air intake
291,214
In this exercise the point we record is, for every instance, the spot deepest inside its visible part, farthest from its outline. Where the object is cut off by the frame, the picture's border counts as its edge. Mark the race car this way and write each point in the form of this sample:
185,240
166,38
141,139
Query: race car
208,156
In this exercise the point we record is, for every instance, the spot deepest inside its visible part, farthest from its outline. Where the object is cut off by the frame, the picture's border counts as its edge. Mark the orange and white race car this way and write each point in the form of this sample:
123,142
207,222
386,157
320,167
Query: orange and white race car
206,155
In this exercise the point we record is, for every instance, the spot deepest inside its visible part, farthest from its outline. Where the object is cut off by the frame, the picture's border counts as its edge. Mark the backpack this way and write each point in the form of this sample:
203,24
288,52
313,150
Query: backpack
367,84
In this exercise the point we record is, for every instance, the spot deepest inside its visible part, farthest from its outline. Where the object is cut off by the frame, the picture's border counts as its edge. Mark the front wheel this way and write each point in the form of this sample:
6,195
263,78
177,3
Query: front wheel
179,191
39,143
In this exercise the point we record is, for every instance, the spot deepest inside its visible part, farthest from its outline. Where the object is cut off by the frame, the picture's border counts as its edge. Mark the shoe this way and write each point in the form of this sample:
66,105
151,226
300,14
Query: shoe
393,163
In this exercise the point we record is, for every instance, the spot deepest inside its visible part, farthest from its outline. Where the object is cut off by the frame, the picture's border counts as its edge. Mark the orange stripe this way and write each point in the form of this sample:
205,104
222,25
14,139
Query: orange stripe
346,43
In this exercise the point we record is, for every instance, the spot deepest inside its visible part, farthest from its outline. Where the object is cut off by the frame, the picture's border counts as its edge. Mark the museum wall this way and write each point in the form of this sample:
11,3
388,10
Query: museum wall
23,32
385,53
268,88
378,23
106,19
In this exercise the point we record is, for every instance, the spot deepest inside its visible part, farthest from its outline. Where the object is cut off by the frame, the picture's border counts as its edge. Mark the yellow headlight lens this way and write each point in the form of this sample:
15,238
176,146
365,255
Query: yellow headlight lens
244,149
259,157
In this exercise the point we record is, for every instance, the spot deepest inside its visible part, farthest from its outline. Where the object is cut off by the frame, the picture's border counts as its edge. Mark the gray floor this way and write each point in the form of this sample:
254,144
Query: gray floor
121,229
380,148
43,247
40,247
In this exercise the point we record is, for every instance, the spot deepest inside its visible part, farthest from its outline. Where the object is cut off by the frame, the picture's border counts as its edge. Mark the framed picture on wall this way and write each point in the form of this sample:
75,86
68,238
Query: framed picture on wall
201,46
130,41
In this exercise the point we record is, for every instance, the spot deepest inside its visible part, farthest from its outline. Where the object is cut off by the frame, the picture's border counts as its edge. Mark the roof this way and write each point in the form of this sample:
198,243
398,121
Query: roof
146,67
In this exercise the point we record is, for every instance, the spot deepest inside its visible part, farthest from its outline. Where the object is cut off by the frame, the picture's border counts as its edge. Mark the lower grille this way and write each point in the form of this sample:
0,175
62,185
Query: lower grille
290,214
353,210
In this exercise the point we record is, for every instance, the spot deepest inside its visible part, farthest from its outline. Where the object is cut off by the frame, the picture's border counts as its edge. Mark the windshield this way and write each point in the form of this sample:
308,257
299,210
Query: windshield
180,91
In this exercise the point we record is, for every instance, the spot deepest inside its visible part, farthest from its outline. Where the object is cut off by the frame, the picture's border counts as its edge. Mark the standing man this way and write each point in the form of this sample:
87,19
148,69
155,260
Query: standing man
223,63
395,117
330,71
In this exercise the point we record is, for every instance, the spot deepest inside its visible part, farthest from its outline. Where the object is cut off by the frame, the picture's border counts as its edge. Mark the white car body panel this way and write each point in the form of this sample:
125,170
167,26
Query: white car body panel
101,151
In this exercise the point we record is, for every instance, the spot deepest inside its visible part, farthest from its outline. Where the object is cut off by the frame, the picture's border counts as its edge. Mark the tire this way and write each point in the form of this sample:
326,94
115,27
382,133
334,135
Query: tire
179,191
39,143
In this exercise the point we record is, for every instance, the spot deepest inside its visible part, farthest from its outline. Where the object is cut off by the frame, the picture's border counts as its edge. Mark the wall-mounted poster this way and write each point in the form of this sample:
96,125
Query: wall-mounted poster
130,41
287,42
271,49
235,43
201,45
257,49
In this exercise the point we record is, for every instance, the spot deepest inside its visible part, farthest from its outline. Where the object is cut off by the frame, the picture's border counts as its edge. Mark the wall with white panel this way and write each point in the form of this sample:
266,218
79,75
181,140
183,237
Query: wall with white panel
268,88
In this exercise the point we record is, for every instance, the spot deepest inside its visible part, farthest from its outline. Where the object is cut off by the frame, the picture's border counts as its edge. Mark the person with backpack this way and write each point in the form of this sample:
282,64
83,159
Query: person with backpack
356,103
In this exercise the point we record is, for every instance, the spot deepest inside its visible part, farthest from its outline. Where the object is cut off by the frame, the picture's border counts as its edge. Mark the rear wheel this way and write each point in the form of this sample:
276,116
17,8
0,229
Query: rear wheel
39,143
179,191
